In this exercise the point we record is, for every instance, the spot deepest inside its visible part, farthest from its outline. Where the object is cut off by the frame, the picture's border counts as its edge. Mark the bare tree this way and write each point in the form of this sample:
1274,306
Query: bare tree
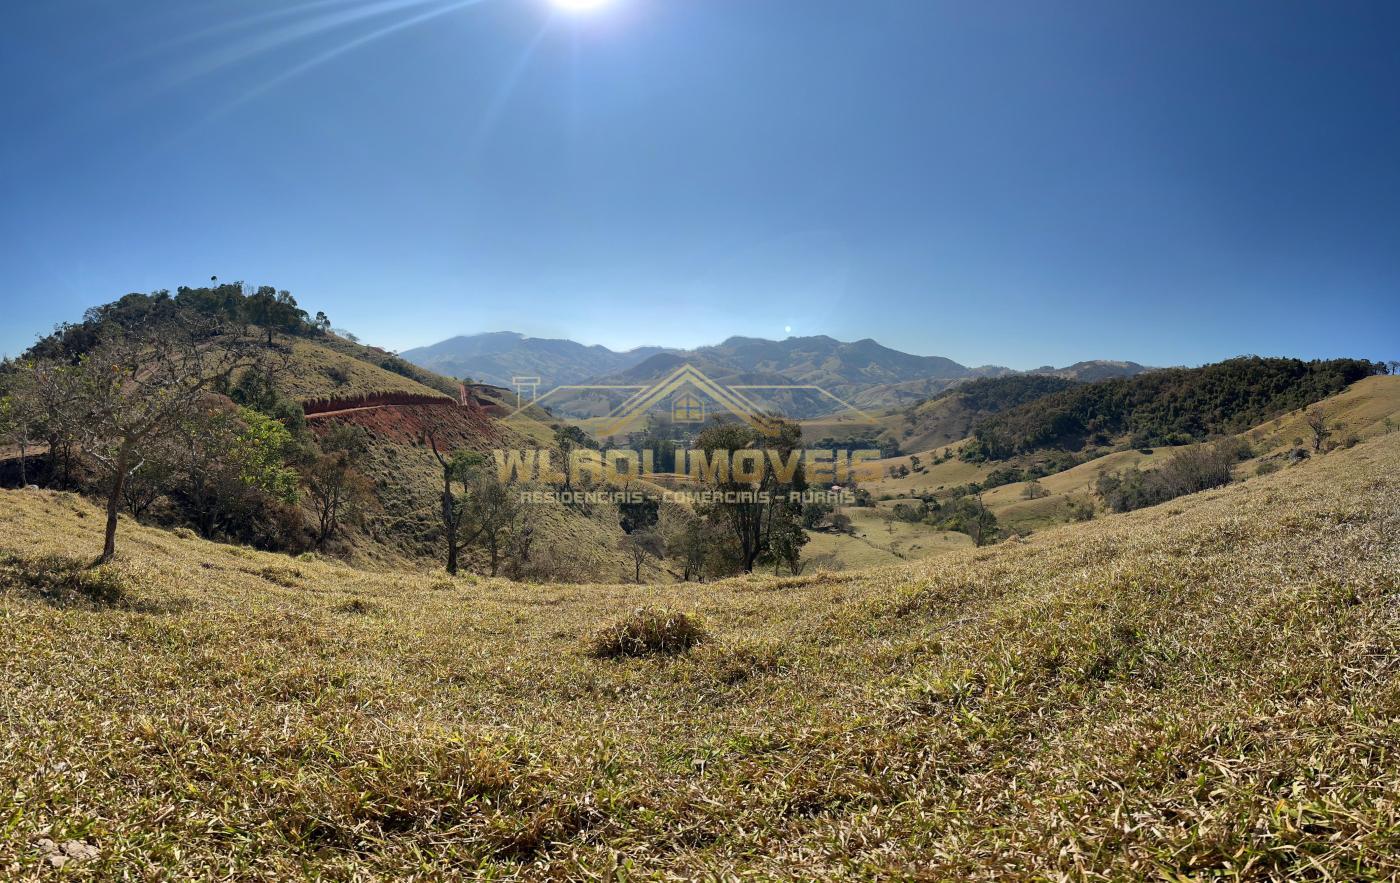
18,414
148,483
486,512
496,515
337,488
983,524
642,545
131,390
1320,428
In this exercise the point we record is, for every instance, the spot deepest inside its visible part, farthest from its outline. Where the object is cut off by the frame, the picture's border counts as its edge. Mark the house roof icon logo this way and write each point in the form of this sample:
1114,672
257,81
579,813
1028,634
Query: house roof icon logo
692,397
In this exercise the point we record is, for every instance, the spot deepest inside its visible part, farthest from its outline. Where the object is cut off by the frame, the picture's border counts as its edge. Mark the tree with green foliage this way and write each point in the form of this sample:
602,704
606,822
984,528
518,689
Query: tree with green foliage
968,514
695,543
785,542
456,468
131,389
569,438
497,519
841,523
274,311
1034,490
814,513
227,465
638,514
257,388
1193,469
479,510
261,456
761,510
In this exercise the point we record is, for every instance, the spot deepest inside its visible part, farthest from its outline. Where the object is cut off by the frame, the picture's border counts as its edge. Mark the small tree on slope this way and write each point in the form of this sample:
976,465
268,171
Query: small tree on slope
131,390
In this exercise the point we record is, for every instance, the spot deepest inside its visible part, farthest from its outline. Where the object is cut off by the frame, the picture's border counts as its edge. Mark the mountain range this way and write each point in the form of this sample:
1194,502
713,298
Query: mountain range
863,372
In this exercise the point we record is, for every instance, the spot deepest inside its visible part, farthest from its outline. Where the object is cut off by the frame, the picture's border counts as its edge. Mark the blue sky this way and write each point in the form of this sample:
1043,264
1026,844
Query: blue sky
1011,183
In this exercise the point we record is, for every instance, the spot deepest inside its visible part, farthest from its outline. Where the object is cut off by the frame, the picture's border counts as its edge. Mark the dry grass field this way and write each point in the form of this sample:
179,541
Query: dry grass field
1204,688
330,368
877,539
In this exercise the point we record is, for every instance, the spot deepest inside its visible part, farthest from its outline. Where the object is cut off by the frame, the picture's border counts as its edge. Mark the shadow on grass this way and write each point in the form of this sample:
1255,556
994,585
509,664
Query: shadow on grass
66,582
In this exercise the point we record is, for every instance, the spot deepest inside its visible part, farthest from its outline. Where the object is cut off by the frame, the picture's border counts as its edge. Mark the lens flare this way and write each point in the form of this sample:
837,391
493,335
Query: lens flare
579,5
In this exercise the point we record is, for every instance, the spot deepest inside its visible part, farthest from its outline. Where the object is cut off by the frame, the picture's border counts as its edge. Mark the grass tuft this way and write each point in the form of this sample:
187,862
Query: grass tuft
648,630
63,580
357,607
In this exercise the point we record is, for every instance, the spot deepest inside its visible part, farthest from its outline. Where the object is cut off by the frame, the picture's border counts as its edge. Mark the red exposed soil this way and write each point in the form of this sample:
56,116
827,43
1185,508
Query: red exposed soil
314,407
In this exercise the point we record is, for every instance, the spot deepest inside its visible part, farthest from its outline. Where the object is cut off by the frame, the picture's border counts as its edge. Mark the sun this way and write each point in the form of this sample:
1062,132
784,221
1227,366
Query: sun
579,5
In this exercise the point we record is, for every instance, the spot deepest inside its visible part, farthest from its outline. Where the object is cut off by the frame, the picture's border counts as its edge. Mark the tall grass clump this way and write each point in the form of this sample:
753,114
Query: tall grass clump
648,630
63,580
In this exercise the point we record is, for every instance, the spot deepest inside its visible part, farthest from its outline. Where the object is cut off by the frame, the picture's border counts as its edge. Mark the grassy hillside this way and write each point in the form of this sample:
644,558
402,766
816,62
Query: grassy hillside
399,525
389,362
577,543
951,416
1203,688
1359,410
876,540
1170,406
321,369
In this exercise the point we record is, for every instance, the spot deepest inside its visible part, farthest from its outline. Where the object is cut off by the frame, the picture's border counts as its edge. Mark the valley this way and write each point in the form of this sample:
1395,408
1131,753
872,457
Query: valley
1225,665
333,642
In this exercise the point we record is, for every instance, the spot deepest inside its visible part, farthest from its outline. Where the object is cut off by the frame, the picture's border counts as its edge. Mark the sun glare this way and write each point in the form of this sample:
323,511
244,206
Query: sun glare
579,5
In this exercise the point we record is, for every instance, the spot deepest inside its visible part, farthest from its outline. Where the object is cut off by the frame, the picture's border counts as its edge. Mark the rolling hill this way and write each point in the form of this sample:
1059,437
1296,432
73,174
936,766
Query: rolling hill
1169,406
316,383
863,373
1181,692
500,356
1357,412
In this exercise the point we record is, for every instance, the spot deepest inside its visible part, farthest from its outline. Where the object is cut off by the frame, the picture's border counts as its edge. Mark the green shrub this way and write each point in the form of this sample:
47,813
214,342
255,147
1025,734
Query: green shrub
1034,490
1192,470
648,630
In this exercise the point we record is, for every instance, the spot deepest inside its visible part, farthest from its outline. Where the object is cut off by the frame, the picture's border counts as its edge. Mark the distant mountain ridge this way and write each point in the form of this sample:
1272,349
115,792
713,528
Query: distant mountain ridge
498,356
864,372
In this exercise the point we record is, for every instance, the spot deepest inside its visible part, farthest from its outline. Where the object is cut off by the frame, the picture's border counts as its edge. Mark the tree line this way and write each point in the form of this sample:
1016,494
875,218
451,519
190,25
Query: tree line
1165,407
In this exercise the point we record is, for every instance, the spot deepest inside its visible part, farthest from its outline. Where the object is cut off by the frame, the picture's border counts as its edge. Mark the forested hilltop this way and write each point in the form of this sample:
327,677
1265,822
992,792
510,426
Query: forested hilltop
1167,407
185,410
223,306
